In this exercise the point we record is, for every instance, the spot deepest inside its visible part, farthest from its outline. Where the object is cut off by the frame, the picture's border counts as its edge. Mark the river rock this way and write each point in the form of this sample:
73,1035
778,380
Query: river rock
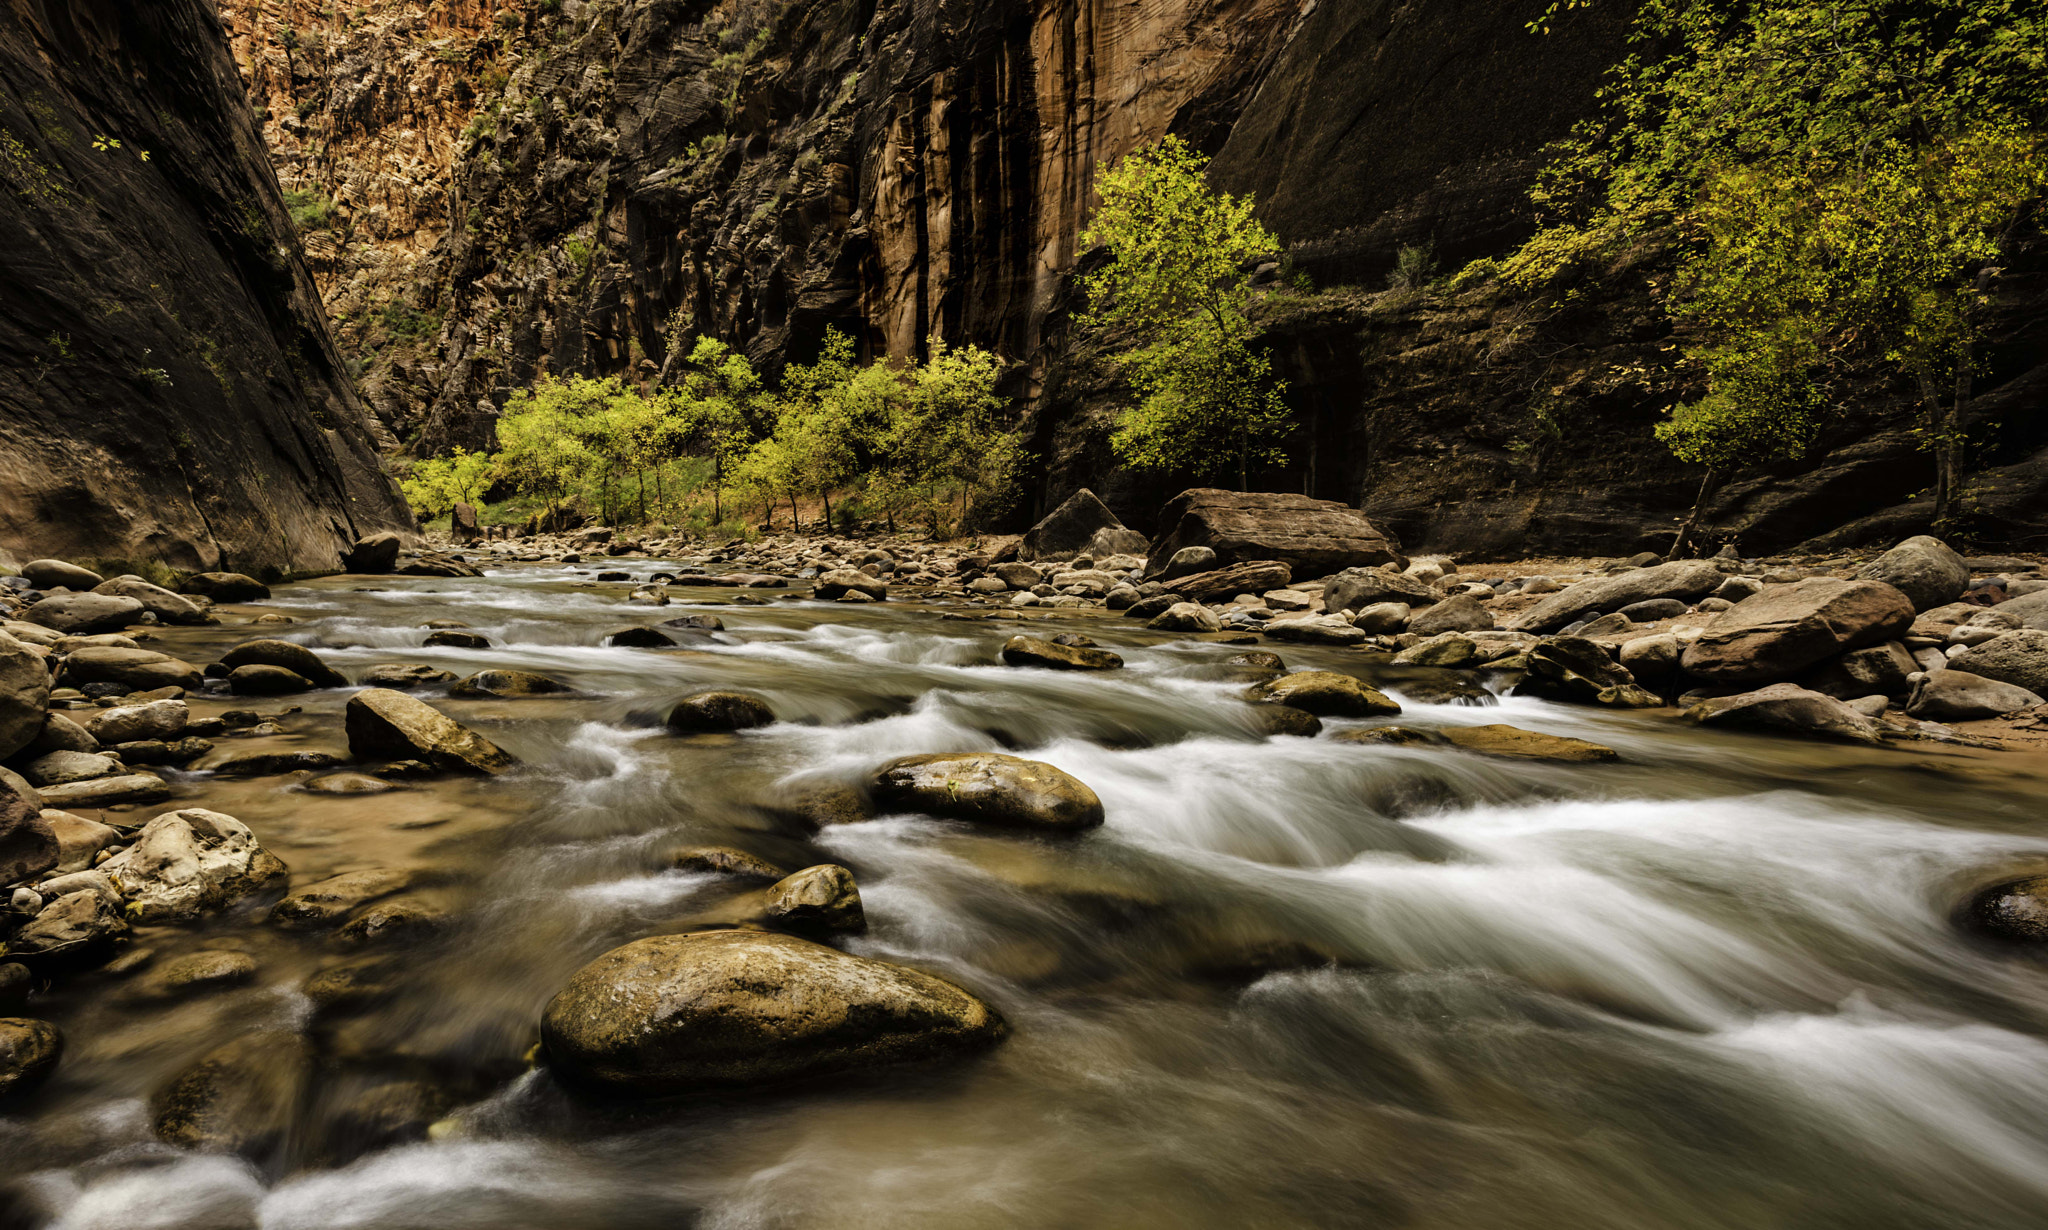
1448,651
329,902
1457,613
373,555
169,608
987,788
393,921
1960,696
1019,576
718,710
2018,657
2015,910
139,670
56,768
83,614
263,761
1324,694
1652,660
821,900
29,1052
107,791
389,724
1880,670
348,784
1313,536
1788,628
1035,651
159,719
725,861
1685,580
76,930
841,581
1570,668
285,654
1314,630
187,864
1356,589
1185,617
225,587
262,680
1924,569
1185,562
1252,577
60,734
733,1009
507,685
1501,741
24,695
405,675
1285,721
196,974
1082,525
1787,707
79,840
28,844
241,1097
637,637
57,574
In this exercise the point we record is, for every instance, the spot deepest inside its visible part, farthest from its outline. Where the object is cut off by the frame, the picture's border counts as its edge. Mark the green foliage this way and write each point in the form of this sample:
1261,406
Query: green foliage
437,484
310,209
405,323
1841,182
1414,267
1208,401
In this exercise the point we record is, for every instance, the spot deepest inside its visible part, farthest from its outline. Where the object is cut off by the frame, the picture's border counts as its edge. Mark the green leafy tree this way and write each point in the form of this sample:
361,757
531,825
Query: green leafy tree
717,410
550,437
1207,400
435,485
1842,183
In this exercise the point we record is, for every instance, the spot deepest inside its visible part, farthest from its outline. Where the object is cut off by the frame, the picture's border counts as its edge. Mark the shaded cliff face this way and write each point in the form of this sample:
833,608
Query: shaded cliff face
170,388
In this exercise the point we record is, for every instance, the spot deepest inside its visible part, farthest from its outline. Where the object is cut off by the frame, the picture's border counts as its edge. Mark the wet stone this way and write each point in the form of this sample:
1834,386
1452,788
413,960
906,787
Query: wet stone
717,711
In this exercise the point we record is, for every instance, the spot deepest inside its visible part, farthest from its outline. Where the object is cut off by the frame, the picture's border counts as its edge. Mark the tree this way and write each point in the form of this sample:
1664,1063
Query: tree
1841,181
546,437
434,485
718,410
1177,277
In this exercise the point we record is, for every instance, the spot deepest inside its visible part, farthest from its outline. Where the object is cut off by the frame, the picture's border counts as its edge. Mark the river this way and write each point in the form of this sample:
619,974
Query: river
1289,983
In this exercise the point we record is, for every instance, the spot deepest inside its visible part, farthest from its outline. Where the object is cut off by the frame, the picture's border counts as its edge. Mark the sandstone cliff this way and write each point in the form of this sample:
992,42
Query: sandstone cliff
170,389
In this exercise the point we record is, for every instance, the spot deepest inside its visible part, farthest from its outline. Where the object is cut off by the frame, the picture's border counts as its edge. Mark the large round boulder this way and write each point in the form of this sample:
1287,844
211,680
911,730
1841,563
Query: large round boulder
297,659
259,679
169,608
735,1009
85,614
717,711
1325,694
1924,569
187,864
2019,658
57,574
1787,628
988,788
139,670
1037,651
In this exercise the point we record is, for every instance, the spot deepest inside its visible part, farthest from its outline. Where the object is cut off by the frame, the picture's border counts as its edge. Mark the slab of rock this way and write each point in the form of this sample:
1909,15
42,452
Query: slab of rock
84,614
1251,577
28,844
139,670
716,1010
107,791
1312,536
1787,628
1184,617
1314,630
1356,589
2019,657
29,1053
987,788
57,768
725,861
60,734
169,608
225,587
637,637
376,554
405,675
285,654
1684,580
57,574
76,930
1324,694
718,710
1924,569
1959,696
1082,525
24,695
1457,613
389,724
449,638
821,900
1036,651
507,685
241,1097
187,864
839,582
329,902
1504,742
158,719
1790,708
79,840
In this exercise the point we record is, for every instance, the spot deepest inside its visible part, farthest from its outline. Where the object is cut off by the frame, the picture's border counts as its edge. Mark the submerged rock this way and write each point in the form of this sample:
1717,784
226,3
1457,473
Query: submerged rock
329,902
507,685
29,1052
241,1097
718,710
196,974
724,860
404,675
1272,719
1505,742
186,864
1035,651
1325,694
988,788
384,723
735,1009
821,900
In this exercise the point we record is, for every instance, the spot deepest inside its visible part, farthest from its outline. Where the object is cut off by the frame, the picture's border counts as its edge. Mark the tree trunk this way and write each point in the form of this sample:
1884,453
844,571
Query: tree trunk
640,481
825,494
795,525
1683,543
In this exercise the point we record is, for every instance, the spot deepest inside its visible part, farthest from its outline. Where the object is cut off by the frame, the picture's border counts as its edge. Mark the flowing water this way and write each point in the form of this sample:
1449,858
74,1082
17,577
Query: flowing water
1289,983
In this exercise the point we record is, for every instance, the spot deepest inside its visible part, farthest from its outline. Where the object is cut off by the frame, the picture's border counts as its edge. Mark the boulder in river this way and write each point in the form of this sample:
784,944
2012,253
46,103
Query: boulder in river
1222,584
1923,568
714,1010
139,670
329,902
1314,630
841,581
74,930
820,900
259,679
1313,536
385,723
158,719
725,861
225,587
1952,695
107,791
637,637
2016,910
1325,694
1790,708
374,555
84,614
1457,613
1286,720
450,638
404,675
988,788
1081,525
187,864
1036,651
1501,741
1571,668
507,685
169,608
1685,580
56,768
241,1097
196,974
1184,617
2018,657
58,574
718,710
24,695
292,657
1787,628
29,1052
28,844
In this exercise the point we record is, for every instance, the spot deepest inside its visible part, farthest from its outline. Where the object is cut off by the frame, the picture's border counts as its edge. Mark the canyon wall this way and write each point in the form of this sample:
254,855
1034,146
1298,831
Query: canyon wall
169,386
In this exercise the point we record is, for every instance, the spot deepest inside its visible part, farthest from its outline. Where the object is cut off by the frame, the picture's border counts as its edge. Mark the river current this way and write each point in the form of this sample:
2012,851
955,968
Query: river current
1289,983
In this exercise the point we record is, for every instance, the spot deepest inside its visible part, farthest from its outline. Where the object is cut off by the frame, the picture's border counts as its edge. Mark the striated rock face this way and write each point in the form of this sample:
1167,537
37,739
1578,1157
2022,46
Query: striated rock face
170,387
